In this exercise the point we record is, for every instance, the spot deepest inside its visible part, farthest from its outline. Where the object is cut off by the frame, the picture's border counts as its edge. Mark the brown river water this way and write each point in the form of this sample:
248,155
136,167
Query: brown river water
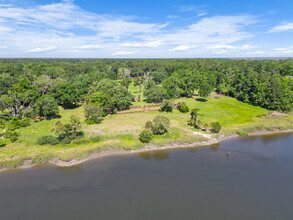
254,182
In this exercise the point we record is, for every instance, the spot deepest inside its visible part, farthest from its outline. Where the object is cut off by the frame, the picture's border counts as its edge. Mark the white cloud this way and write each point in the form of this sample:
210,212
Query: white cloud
125,52
231,47
213,30
186,8
258,52
288,50
4,30
38,50
220,52
5,5
202,14
148,44
74,32
200,10
182,48
282,27
69,51
247,47
89,47
119,28
222,46
280,49
172,16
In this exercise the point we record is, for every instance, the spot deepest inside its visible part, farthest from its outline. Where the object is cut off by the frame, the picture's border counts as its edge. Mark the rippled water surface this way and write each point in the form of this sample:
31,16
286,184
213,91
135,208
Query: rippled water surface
255,182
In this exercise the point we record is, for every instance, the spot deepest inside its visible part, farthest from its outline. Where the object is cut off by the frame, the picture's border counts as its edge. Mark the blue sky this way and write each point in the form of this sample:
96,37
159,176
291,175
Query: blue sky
146,29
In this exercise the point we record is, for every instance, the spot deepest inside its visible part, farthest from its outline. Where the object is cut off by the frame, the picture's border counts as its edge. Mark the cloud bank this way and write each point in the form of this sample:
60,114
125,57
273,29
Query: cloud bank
66,30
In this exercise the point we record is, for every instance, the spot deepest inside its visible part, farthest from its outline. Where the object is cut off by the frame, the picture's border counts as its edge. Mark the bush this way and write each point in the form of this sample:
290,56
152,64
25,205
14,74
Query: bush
95,138
148,125
79,141
51,140
46,106
216,127
2,143
24,122
182,107
14,137
66,140
145,136
167,106
90,122
93,113
13,124
242,133
160,125
68,132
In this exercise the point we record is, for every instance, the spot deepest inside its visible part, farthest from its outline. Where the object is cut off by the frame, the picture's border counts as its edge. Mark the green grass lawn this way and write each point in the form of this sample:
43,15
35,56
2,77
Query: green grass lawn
121,131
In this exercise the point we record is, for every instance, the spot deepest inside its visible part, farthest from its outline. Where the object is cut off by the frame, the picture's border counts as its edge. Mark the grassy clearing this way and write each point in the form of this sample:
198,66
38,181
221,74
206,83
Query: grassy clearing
121,131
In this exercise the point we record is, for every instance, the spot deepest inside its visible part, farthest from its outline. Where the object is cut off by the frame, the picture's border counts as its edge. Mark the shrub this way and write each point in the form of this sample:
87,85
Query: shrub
13,124
216,127
95,138
199,123
90,122
205,127
24,122
193,120
148,125
68,132
167,106
2,143
79,141
160,125
67,140
145,136
93,113
51,140
46,106
14,137
242,133
182,107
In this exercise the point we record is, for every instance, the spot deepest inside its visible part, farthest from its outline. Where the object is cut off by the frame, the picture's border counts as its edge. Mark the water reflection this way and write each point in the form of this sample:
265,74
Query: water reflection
72,169
146,155
158,155
213,147
269,137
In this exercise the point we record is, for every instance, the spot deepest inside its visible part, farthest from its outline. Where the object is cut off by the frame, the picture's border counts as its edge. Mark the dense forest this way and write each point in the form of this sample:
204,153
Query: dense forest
31,88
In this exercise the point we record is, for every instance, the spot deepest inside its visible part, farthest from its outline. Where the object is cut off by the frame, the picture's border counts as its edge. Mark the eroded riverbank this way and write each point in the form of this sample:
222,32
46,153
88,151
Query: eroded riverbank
150,147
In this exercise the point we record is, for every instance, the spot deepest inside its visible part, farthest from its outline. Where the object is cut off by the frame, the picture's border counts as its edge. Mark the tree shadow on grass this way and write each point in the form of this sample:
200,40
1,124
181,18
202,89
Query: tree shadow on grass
201,100
71,106
53,117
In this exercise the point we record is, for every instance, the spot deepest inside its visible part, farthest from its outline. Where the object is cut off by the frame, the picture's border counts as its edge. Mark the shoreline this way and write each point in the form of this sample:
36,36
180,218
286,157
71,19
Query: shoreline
150,147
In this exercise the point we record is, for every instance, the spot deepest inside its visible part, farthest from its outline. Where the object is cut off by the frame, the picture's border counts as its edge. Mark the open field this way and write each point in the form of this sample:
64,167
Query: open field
121,131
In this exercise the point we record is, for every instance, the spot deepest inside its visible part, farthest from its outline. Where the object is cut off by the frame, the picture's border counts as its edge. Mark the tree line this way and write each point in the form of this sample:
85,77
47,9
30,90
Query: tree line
35,87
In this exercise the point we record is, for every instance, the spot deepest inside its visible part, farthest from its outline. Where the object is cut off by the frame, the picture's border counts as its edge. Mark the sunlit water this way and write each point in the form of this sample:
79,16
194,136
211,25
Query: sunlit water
255,182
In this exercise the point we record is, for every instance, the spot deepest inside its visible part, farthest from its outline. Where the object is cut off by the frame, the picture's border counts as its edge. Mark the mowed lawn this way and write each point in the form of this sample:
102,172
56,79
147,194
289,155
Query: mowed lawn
122,130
